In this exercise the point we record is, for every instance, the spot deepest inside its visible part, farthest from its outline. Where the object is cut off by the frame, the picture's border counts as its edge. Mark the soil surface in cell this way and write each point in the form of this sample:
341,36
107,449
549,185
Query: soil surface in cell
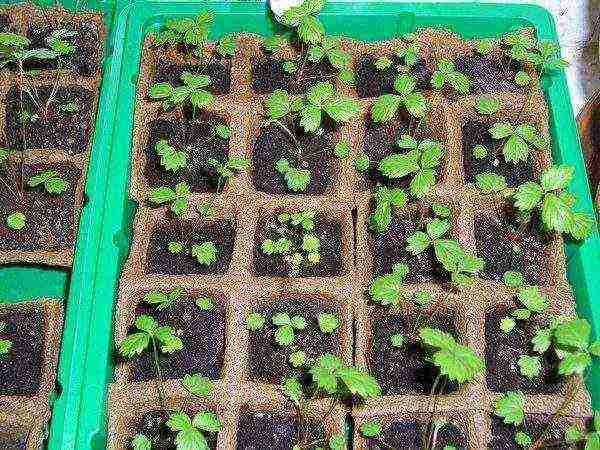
268,75
329,231
502,354
274,143
12,438
373,82
489,74
265,430
389,248
203,336
477,133
505,247
49,218
159,260
84,60
48,125
4,22
153,425
218,71
404,370
503,435
268,361
199,141
412,435
21,369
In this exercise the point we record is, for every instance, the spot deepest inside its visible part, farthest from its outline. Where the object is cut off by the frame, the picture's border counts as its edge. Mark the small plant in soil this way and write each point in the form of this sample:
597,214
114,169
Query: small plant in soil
5,344
328,377
386,107
308,112
446,75
192,92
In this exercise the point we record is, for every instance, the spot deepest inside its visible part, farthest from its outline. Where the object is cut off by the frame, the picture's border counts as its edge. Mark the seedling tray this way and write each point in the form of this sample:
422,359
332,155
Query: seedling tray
106,238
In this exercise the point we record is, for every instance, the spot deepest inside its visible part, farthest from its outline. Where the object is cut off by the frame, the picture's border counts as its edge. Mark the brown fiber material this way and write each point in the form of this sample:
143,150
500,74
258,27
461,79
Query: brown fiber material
346,199
23,15
28,429
52,311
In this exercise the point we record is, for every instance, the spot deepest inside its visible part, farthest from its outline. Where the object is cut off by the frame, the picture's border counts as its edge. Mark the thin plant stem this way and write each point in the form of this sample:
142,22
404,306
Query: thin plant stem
159,377
289,133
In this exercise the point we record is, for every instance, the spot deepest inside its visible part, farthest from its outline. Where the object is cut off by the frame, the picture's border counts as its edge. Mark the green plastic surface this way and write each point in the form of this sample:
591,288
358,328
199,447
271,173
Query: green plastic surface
86,368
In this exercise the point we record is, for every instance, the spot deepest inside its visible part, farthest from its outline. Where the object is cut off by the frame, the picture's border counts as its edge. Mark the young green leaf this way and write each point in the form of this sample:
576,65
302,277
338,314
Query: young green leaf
371,428
297,359
16,221
386,106
507,324
255,321
205,253
446,73
205,303
490,182
198,385
513,279
510,407
386,289
141,442
529,366
487,105
343,148
328,323
397,340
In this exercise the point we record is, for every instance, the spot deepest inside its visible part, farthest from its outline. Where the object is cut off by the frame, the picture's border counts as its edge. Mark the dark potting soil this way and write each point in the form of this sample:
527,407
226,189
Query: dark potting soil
12,437
203,336
4,22
49,217
268,361
372,82
153,425
404,370
327,230
389,248
21,368
268,75
380,142
265,430
503,435
84,60
49,128
489,74
503,351
495,236
199,141
218,71
413,435
160,261
477,133
273,143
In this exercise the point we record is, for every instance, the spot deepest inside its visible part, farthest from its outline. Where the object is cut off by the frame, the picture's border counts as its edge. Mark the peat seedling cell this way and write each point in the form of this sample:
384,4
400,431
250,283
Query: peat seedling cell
372,82
49,126
82,61
13,437
476,133
505,248
389,248
502,353
404,370
274,143
412,434
264,430
219,72
203,336
4,22
49,217
160,261
268,75
21,368
268,361
199,141
153,425
503,435
489,74
329,231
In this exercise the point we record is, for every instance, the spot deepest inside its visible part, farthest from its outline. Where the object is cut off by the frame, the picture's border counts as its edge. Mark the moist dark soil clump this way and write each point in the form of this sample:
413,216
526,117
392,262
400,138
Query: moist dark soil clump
505,247
327,230
268,361
50,127
218,71
160,261
389,248
21,367
477,133
502,355
4,23
404,370
489,74
372,82
411,434
49,217
274,143
265,430
203,336
199,141
153,425
503,435
268,75
13,438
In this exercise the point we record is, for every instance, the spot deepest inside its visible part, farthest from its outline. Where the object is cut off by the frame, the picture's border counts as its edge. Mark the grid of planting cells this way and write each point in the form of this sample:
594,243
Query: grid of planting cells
283,205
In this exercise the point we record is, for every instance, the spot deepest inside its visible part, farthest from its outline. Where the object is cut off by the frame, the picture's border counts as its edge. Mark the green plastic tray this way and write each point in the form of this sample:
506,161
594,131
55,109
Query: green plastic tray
74,286
106,226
